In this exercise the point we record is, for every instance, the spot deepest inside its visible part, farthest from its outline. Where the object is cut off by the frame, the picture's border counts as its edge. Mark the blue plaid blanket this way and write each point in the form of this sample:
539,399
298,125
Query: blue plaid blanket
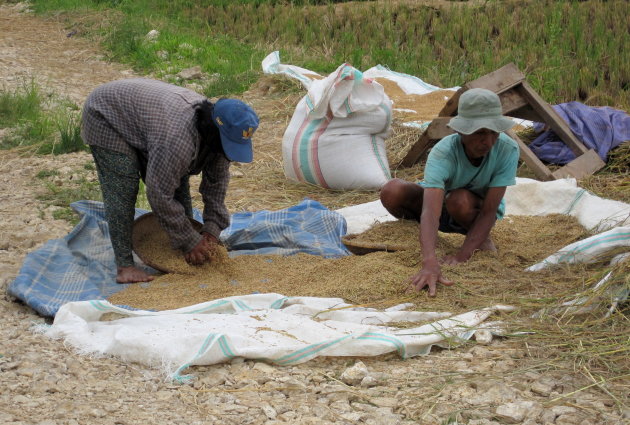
601,129
81,265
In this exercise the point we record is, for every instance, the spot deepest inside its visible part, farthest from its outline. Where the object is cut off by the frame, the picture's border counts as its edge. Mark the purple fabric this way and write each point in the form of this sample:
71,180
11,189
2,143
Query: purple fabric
601,129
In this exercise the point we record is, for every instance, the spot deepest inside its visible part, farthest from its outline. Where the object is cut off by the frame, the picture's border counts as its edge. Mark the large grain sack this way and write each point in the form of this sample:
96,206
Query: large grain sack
336,137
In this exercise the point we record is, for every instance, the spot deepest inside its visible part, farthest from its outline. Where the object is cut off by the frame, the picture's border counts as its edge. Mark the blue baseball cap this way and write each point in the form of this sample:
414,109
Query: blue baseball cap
237,122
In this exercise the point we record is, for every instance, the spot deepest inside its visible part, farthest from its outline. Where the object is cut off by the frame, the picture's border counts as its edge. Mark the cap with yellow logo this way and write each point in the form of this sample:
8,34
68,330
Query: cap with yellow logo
237,122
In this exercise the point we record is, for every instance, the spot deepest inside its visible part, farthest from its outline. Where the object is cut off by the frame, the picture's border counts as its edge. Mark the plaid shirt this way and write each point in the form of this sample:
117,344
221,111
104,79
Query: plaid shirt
156,120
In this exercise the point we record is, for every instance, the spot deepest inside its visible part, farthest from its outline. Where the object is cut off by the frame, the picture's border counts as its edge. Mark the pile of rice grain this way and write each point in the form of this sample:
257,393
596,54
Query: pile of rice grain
152,244
381,278
415,107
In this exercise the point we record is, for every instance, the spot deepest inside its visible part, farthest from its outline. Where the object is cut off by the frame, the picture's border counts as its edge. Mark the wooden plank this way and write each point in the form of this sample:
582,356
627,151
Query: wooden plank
526,113
512,100
497,81
417,150
552,119
450,108
500,80
531,160
582,166
434,132
438,128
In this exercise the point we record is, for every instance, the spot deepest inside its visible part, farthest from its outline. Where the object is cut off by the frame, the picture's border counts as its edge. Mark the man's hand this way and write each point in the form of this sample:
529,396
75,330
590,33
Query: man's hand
428,277
200,253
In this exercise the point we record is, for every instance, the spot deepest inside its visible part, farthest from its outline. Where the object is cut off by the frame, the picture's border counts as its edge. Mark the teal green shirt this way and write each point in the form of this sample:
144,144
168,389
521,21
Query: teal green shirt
449,168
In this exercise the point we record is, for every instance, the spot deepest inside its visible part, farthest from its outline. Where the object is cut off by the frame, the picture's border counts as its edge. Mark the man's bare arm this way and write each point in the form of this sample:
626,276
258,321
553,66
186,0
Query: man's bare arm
430,273
481,227
429,222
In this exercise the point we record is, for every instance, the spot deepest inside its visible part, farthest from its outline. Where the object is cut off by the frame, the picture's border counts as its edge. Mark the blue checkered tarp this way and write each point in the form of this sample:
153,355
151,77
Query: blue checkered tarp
81,265
602,129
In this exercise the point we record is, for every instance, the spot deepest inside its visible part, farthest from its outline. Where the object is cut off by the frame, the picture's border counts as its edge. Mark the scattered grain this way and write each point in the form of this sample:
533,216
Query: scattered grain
381,278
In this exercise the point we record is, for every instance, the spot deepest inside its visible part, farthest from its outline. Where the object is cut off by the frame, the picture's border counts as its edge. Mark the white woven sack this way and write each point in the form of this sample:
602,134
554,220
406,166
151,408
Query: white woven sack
336,137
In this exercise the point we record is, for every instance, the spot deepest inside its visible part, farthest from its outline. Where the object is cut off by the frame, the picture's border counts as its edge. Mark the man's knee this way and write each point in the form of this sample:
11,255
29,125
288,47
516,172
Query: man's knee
393,193
462,205
402,199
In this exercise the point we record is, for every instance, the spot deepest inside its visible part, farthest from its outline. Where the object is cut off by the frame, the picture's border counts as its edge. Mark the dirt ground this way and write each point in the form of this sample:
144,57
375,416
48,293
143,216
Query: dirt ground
44,382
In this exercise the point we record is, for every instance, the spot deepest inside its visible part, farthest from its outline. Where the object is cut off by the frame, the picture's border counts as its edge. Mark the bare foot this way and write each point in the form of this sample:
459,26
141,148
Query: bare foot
487,245
132,274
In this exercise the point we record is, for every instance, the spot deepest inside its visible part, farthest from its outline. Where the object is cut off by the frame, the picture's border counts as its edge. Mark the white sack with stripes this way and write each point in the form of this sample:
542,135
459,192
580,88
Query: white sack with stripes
336,137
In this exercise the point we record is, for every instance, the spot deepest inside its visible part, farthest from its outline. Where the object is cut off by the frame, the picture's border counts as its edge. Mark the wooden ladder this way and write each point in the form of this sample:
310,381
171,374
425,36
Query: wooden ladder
518,100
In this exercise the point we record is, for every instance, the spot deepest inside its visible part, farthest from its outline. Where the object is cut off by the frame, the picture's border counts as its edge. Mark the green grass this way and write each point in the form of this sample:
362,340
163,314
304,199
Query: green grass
44,174
66,193
569,50
20,105
142,201
183,41
51,127
61,192
21,109
69,127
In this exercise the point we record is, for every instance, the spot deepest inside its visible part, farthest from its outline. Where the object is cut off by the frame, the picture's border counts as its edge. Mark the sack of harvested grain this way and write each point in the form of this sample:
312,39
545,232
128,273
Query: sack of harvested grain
336,137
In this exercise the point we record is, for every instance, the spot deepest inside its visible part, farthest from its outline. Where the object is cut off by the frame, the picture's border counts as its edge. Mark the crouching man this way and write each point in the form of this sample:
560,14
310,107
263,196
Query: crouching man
465,178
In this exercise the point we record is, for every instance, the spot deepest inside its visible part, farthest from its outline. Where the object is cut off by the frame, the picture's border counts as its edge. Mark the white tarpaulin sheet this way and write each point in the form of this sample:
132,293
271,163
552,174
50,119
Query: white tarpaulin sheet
270,327
564,196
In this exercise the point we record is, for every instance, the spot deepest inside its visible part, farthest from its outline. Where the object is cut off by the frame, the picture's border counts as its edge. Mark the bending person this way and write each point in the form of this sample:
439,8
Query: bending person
162,133
465,178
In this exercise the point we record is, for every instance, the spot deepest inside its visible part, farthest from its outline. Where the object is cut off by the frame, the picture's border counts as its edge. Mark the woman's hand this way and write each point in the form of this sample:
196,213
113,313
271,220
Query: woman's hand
200,253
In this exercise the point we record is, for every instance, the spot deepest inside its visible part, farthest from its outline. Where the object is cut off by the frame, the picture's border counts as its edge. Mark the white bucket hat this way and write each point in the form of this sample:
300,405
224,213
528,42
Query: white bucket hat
479,108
